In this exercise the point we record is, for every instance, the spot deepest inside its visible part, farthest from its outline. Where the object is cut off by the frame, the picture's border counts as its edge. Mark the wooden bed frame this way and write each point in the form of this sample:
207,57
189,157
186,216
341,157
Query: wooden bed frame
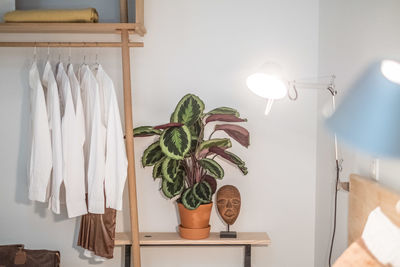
365,196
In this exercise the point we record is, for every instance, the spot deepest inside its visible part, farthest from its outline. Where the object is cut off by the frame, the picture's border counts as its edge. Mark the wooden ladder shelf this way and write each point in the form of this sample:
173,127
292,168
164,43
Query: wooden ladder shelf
124,29
246,240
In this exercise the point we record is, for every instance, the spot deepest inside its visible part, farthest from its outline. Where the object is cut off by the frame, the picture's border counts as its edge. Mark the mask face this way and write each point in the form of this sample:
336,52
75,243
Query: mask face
228,203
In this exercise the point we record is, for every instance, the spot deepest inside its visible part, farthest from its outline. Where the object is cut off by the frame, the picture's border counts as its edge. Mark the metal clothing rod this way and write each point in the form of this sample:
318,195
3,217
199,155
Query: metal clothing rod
69,44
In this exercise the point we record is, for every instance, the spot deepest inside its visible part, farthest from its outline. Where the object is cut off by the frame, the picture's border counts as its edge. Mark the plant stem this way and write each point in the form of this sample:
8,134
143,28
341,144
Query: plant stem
211,135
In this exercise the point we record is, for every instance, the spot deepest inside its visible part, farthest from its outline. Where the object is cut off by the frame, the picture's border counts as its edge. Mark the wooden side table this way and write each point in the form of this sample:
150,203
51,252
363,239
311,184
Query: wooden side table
245,239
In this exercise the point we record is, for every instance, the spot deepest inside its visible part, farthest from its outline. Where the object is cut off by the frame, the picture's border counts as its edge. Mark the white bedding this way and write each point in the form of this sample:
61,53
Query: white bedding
382,238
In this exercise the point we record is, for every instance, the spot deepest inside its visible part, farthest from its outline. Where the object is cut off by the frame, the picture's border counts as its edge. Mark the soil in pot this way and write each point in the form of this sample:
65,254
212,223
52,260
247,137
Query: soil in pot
195,224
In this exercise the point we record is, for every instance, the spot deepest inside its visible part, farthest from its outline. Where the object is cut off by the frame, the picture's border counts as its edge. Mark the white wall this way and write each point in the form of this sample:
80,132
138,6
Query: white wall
352,35
207,48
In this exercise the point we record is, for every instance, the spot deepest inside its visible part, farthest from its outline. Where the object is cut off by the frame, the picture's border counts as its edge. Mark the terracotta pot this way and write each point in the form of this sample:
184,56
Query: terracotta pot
194,234
195,223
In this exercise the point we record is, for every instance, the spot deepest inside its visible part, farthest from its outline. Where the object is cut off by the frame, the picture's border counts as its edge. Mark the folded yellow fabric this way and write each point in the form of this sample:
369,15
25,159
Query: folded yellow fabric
53,15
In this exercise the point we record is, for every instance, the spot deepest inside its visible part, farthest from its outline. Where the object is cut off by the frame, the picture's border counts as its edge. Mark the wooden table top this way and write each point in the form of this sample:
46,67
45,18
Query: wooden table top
173,238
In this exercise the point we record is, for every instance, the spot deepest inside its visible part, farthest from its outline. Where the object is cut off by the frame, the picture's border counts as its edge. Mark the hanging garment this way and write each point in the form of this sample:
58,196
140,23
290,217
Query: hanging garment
97,234
73,167
53,110
95,141
88,88
97,231
41,153
116,163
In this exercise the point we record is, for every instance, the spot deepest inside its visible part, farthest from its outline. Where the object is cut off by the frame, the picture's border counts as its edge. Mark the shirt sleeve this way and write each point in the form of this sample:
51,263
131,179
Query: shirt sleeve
116,161
96,159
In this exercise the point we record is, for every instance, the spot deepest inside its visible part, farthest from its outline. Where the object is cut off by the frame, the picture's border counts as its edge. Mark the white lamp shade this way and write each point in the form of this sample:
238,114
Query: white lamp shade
267,86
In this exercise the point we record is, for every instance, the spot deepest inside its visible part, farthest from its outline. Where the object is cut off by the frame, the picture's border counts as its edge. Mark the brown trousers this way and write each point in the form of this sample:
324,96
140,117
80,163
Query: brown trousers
97,233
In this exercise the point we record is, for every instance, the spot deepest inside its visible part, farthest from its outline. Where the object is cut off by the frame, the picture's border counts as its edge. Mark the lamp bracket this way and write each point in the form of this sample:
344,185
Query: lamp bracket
330,86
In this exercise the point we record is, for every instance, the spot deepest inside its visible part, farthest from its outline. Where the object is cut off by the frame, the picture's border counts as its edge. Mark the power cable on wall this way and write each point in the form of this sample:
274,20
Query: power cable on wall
334,212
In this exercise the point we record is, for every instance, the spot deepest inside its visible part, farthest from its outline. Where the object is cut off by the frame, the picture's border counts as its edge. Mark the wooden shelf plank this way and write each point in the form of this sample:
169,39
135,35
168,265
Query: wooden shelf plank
165,239
68,27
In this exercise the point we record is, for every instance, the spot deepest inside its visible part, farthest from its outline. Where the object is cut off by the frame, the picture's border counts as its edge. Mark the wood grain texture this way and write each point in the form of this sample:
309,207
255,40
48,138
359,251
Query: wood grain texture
126,71
68,27
365,196
357,254
172,238
139,6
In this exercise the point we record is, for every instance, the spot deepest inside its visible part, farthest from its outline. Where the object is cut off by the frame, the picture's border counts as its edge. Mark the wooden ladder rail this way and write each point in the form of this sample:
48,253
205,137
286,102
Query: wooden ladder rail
126,71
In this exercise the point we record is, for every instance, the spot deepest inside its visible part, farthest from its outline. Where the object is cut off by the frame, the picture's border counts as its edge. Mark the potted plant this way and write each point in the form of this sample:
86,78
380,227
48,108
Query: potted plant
185,160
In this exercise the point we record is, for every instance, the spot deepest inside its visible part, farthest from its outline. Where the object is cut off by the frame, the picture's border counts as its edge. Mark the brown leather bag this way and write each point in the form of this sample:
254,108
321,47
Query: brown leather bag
17,256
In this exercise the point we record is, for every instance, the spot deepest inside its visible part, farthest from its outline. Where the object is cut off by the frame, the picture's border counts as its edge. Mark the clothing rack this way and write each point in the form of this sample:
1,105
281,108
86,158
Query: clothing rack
124,29
68,44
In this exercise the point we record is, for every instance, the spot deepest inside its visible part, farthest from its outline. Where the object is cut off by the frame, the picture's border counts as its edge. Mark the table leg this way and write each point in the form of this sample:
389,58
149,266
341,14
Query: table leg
128,255
247,256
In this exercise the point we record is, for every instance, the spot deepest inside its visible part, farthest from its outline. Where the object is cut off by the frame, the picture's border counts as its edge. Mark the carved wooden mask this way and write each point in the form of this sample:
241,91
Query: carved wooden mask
228,203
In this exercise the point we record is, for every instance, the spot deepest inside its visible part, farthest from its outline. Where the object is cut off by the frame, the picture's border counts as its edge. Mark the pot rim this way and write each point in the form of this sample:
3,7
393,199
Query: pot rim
179,203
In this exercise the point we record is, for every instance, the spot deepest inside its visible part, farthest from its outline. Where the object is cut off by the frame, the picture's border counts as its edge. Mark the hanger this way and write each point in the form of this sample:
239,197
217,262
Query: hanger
59,55
96,63
35,53
48,52
69,54
82,64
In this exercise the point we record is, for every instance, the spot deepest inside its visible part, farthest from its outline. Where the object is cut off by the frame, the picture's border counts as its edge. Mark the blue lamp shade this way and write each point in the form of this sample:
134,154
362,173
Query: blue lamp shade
369,116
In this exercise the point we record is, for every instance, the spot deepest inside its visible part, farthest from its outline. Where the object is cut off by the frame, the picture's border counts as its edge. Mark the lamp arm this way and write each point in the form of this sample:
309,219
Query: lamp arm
330,86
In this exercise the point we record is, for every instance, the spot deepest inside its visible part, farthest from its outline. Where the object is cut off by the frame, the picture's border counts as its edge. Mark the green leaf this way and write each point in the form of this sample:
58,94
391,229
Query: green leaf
235,159
195,129
189,200
239,162
188,110
152,154
203,192
230,157
217,142
170,168
212,167
224,110
175,142
157,169
211,181
145,131
167,125
173,189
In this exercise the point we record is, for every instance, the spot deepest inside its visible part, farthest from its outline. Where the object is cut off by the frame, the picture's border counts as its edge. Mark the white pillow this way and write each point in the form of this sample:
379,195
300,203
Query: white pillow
382,238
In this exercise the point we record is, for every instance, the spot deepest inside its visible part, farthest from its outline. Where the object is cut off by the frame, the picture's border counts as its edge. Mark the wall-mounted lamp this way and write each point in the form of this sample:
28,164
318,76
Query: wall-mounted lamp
369,116
267,86
269,83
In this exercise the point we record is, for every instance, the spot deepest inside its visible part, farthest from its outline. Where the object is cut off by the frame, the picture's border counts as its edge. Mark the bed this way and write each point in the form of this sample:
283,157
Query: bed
369,197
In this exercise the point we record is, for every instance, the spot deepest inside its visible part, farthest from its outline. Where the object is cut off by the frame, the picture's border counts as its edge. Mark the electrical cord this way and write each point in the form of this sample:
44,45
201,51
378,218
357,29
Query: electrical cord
335,212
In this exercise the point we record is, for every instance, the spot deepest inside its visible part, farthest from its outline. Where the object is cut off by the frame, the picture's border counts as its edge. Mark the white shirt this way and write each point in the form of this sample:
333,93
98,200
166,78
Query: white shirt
116,162
95,141
41,153
73,170
53,110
